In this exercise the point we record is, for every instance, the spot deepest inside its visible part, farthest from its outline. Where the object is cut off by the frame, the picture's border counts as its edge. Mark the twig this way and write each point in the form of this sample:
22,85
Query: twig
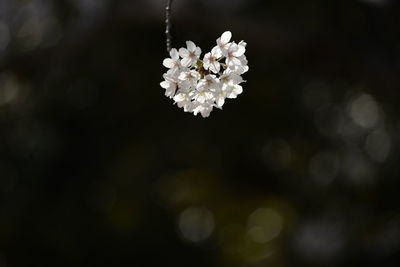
168,25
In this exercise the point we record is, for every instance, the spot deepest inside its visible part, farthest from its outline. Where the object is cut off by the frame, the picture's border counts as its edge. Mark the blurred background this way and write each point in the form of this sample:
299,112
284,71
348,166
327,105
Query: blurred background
99,168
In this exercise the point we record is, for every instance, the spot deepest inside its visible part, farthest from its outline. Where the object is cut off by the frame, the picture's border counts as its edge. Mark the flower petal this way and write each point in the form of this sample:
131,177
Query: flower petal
169,63
186,61
238,89
198,51
190,46
216,52
183,52
236,79
234,91
164,84
220,102
243,43
240,51
226,37
215,67
170,92
179,97
174,54
233,61
233,47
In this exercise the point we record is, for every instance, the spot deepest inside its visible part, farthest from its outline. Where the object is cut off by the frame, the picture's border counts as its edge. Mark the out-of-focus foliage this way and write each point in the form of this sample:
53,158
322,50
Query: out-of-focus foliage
98,169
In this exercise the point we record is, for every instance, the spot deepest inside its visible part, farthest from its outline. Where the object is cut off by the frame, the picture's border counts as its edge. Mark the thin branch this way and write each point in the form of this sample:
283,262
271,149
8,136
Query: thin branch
168,24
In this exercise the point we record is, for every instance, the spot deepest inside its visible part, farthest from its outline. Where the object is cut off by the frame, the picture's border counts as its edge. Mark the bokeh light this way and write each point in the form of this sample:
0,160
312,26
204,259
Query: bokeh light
364,111
196,224
264,224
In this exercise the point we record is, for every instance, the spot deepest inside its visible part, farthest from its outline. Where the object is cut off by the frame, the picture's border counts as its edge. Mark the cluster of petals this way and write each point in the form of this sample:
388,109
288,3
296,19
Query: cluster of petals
198,85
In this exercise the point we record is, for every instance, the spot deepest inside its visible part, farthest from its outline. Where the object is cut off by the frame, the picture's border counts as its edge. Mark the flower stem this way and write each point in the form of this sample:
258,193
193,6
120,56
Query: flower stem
168,25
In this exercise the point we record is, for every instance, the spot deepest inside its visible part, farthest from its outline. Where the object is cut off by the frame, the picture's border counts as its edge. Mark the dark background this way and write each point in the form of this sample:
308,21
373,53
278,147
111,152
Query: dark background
99,168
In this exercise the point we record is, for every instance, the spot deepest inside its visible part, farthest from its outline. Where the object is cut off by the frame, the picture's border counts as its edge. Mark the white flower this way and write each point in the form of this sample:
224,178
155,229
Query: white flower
242,43
237,63
223,41
233,90
243,68
231,81
204,108
233,53
170,85
183,99
211,60
209,82
191,77
189,55
200,85
202,95
172,63
229,77
238,69
220,96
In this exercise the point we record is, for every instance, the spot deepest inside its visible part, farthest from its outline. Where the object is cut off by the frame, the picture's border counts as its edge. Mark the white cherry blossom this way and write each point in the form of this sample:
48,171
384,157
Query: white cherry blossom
170,85
198,85
173,63
202,95
233,90
233,53
191,77
189,55
211,60
209,82
220,96
230,78
242,43
203,108
223,41
231,81
183,99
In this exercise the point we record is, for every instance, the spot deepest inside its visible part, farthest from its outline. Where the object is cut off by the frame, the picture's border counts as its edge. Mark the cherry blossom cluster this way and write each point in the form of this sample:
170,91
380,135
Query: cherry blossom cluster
200,85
